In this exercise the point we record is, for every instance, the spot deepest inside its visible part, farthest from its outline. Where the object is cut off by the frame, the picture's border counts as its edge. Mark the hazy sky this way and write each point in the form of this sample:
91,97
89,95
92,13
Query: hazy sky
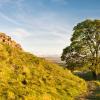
44,27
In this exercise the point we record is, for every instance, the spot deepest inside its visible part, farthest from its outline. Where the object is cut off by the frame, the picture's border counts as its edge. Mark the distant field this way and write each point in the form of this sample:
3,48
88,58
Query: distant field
55,59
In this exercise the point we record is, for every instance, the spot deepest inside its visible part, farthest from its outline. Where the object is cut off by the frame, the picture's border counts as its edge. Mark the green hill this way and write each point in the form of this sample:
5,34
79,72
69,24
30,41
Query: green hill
24,76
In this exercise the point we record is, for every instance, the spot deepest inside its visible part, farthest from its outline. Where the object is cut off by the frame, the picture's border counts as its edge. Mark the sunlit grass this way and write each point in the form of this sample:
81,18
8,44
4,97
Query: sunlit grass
24,76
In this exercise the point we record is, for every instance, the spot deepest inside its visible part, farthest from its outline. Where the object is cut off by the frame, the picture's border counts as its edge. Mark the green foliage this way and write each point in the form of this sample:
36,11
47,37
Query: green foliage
85,46
86,75
24,76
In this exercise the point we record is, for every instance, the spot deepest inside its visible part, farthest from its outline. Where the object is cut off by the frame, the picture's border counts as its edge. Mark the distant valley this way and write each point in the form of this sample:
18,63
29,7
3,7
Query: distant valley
54,58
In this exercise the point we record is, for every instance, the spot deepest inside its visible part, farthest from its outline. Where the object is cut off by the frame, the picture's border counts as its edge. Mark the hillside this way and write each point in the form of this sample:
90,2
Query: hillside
24,76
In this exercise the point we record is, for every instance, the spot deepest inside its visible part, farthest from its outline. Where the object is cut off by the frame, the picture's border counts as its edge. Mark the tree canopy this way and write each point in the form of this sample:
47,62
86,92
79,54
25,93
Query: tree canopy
85,46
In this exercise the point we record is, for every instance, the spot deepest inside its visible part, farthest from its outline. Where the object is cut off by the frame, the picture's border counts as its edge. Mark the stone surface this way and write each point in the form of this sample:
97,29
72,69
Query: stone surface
7,39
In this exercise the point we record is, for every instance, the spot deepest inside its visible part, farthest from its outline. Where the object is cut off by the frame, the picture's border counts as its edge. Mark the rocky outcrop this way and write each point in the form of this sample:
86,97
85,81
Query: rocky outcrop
7,40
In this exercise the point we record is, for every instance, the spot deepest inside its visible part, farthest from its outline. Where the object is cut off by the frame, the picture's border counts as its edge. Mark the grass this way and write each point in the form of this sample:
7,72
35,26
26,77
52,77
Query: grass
24,76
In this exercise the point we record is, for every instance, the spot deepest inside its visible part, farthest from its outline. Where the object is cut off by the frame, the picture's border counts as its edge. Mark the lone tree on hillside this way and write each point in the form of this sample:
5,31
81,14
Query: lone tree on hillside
85,46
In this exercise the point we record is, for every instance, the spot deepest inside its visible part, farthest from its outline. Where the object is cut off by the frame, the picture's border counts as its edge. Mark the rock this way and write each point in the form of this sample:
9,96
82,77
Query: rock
7,40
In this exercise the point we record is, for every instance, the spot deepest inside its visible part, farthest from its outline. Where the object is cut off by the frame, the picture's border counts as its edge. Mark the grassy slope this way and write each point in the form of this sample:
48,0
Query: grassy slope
23,76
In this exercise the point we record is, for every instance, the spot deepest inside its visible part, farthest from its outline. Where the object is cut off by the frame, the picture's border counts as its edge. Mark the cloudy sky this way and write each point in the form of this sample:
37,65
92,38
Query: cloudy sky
44,27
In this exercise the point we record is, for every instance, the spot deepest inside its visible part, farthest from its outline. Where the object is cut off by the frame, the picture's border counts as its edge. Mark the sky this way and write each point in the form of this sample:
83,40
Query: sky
44,27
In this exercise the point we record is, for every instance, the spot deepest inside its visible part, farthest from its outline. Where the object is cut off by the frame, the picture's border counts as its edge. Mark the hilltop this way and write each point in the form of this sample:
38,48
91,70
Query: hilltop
7,40
23,76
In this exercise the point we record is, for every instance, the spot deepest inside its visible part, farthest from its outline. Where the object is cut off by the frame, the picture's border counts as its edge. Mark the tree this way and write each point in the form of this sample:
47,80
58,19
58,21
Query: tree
85,46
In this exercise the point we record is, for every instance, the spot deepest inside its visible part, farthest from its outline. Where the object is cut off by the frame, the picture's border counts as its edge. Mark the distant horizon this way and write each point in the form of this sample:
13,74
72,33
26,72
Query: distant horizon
53,55
44,27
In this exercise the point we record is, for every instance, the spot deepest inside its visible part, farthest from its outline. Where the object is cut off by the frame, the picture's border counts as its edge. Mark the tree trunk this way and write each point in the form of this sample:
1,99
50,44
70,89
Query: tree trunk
94,75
